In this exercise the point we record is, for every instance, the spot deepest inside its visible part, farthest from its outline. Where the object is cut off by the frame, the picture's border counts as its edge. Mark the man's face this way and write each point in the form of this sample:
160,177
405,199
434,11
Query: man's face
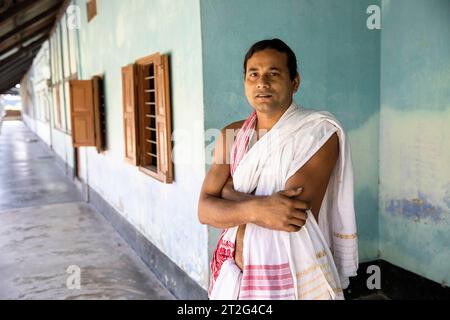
268,86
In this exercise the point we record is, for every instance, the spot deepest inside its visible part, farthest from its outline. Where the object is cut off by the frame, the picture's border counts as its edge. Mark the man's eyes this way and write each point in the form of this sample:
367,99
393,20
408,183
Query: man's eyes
272,74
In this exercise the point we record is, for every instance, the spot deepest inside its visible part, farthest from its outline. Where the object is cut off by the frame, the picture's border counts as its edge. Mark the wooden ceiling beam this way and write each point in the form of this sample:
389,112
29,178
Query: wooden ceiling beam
22,51
16,9
33,33
13,79
44,15
21,69
5,69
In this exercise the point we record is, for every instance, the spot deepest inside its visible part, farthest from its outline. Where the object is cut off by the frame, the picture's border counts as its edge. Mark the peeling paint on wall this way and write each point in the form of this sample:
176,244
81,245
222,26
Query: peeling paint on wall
414,165
416,209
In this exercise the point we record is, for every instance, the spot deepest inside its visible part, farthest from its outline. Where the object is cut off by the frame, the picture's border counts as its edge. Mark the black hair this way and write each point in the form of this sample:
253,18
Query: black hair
278,45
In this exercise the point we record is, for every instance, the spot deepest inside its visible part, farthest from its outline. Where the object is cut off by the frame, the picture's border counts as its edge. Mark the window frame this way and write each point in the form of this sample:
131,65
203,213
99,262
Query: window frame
163,170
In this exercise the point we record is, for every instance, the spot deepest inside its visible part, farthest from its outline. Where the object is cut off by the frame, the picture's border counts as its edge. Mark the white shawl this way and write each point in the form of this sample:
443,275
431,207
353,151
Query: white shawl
314,262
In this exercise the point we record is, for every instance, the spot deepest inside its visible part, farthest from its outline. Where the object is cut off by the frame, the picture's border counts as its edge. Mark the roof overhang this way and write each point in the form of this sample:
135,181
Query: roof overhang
24,26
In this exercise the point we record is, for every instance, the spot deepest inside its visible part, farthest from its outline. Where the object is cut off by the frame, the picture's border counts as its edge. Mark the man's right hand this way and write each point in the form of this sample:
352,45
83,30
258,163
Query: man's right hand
281,211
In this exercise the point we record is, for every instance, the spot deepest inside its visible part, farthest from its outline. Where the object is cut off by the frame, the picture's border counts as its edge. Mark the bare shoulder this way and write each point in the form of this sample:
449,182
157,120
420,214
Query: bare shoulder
230,131
235,125
225,142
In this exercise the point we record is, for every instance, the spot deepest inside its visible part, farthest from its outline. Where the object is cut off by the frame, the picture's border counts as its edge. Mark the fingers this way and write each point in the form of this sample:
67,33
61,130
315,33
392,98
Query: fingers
293,228
300,204
299,214
297,222
292,193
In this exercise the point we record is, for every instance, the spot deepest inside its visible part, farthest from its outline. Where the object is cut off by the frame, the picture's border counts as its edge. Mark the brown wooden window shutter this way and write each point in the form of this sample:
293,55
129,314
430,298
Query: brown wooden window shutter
91,9
129,92
87,113
153,125
163,120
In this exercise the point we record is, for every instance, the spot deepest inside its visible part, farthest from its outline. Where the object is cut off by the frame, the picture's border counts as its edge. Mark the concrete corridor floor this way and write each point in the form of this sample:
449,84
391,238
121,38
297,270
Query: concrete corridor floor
50,238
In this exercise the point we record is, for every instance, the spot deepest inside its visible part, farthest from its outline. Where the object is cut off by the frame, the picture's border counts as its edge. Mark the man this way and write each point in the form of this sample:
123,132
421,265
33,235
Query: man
267,187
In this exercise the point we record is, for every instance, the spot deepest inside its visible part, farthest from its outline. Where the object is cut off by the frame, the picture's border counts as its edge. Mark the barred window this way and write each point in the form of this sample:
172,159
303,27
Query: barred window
147,116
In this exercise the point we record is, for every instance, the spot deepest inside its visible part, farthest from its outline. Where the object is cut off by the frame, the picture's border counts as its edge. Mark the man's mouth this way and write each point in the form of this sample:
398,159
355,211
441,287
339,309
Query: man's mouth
262,95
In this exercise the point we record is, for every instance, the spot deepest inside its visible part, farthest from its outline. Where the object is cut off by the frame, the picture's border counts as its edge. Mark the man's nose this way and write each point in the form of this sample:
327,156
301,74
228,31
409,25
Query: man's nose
263,82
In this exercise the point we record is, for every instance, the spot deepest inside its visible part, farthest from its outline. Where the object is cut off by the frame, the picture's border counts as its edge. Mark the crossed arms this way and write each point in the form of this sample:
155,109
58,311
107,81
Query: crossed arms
222,207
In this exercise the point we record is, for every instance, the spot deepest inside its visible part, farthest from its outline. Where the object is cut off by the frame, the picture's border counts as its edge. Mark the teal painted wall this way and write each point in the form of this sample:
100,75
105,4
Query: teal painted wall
338,59
415,137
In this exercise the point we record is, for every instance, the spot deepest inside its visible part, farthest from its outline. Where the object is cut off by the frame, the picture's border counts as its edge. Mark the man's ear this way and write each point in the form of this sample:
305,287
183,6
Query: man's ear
296,82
